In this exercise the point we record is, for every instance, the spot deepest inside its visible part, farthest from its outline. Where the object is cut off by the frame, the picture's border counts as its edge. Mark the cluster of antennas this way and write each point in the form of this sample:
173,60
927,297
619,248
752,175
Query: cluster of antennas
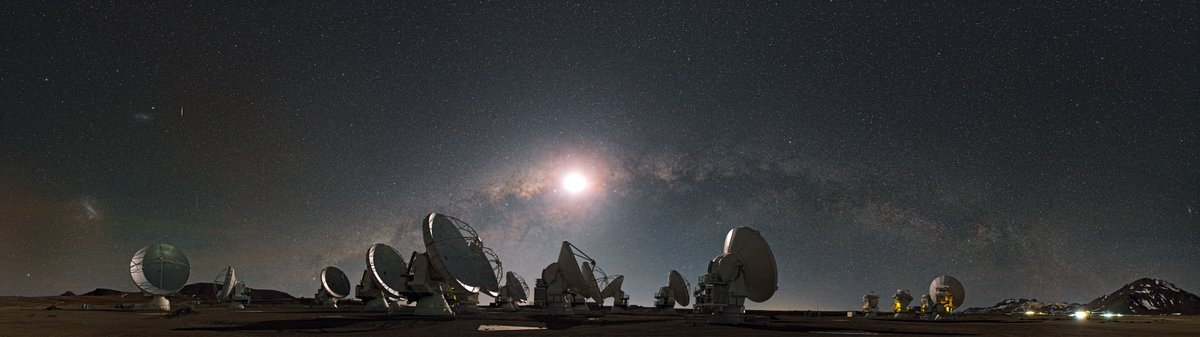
161,270
454,269
567,284
945,295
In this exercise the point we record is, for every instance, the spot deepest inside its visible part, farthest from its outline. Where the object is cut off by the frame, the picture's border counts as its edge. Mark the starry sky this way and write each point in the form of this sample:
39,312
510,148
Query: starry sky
1030,150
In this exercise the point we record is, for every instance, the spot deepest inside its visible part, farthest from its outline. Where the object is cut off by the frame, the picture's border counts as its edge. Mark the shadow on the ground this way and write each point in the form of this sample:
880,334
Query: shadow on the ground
849,331
323,324
560,323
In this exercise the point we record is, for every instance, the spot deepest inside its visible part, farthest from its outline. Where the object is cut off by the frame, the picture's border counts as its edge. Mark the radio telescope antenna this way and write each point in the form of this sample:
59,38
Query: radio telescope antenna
676,291
159,270
514,292
383,279
870,304
900,303
745,270
334,286
459,260
229,289
620,298
563,288
947,294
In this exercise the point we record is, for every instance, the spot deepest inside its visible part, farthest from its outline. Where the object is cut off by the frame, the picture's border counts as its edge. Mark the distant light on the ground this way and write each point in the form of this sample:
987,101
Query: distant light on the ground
1081,315
1030,313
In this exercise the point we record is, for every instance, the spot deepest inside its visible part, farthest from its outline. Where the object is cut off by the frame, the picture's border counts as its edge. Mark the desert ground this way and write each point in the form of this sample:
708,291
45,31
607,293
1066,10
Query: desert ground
67,316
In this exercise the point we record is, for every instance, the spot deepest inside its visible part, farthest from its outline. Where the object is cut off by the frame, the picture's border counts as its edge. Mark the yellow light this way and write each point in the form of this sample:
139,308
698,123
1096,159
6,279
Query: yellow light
1030,313
1081,315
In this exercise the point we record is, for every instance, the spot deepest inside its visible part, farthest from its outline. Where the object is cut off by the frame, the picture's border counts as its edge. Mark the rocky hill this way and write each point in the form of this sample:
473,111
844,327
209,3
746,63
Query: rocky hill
1147,296
1021,306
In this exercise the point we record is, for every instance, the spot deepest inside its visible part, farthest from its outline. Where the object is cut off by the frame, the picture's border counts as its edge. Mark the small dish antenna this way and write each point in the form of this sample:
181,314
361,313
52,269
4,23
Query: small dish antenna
676,291
900,302
947,294
229,289
514,292
334,286
159,270
870,304
745,270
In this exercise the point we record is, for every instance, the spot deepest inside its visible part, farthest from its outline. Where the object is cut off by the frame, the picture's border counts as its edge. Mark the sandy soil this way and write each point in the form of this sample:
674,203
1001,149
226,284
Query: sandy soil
28,316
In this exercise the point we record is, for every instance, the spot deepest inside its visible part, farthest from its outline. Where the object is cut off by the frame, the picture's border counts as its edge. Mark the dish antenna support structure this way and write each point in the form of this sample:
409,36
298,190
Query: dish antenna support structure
334,286
947,294
159,270
229,289
676,291
745,270
514,292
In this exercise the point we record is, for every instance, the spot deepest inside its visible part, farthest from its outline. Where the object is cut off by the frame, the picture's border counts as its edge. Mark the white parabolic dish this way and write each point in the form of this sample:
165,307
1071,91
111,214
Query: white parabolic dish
335,282
568,266
387,267
956,289
517,286
160,269
758,262
459,256
679,288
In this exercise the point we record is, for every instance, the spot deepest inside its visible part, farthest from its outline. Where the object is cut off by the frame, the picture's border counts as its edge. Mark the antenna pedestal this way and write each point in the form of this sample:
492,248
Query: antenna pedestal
433,305
158,303
579,304
620,301
325,300
377,304
510,307
467,304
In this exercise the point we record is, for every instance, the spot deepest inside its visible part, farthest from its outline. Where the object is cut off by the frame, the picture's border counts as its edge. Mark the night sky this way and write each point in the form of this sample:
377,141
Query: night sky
1030,150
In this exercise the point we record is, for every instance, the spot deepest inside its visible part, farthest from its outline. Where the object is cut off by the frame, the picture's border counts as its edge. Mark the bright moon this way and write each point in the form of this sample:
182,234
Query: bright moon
574,183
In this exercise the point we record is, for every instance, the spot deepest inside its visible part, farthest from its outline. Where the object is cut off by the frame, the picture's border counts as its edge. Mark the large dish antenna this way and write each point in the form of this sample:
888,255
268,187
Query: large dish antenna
334,286
680,288
746,269
514,291
224,282
592,282
757,263
387,268
568,268
676,291
335,282
457,254
159,270
947,293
